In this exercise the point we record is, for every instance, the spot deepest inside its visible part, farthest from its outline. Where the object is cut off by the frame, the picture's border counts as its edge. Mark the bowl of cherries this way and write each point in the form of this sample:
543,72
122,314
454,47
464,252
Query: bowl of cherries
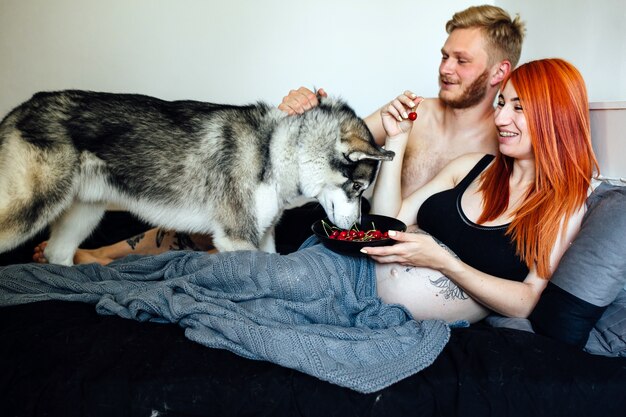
373,230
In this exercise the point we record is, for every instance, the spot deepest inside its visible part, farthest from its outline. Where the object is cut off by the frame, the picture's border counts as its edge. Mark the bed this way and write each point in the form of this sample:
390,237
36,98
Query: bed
62,358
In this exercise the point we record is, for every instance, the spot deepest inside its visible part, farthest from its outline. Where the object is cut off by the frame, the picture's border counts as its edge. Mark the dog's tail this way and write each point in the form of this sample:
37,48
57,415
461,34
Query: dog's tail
35,188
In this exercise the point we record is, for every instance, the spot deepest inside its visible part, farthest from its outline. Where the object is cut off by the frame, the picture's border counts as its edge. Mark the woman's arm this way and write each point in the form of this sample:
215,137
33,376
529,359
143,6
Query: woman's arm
504,296
375,124
387,195
509,298
393,118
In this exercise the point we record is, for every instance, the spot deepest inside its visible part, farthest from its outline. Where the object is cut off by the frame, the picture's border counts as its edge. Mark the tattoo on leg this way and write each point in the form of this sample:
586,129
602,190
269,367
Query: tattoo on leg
160,235
133,241
183,241
449,289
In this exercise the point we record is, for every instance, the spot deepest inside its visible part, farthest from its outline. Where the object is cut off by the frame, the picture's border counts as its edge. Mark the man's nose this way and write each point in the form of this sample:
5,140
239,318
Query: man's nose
447,67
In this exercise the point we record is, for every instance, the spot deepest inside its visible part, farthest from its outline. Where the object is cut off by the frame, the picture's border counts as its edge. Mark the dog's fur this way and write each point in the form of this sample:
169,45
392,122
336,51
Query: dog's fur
190,166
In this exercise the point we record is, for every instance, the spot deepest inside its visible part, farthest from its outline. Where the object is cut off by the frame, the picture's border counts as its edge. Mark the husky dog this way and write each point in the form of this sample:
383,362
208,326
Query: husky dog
194,167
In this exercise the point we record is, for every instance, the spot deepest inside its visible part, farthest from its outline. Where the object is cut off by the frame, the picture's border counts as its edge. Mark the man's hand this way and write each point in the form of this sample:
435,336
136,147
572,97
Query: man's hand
300,100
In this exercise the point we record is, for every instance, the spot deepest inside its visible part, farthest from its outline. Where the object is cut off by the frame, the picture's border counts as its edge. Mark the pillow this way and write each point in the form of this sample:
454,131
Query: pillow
591,274
608,337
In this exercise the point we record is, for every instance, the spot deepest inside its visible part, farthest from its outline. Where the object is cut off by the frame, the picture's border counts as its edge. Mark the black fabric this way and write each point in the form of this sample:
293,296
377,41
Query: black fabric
564,317
62,359
294,226
485,248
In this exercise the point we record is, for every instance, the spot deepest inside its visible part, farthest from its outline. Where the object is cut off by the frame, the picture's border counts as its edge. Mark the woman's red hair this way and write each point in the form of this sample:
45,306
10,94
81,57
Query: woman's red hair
554,100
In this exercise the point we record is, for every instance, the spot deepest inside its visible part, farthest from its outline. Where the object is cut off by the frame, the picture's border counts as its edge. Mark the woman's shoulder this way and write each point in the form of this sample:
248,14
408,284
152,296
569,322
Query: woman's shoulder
472,158
459,167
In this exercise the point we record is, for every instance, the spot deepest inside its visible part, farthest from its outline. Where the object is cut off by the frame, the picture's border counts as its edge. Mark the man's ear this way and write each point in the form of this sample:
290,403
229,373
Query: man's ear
500,72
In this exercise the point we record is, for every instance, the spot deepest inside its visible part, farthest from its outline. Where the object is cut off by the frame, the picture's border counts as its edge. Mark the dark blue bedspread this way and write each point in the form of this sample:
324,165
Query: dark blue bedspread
314,311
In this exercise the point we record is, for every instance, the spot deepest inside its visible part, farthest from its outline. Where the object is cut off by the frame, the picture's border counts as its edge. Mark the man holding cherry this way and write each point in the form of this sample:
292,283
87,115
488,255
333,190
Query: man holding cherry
484,44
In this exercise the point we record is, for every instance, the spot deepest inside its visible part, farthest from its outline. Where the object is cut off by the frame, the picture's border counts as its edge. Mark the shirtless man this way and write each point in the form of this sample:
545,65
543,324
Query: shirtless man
483,46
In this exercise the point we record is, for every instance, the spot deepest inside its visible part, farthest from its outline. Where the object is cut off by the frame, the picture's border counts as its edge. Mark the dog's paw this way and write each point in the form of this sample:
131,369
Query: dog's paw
58,257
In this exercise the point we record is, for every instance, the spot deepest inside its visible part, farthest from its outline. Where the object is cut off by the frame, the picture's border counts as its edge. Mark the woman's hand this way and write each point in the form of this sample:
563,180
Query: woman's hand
507,297
395,115
411,249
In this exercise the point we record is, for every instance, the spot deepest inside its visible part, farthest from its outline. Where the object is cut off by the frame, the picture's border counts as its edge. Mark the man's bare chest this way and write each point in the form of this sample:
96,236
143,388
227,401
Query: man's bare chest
422,161
426,155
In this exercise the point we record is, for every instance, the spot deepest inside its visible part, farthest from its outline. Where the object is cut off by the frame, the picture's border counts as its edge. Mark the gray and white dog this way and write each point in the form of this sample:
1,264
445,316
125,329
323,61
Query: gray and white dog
190,166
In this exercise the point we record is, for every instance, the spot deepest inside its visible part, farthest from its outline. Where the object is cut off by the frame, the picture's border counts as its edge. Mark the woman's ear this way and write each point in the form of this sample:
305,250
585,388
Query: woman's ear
500,71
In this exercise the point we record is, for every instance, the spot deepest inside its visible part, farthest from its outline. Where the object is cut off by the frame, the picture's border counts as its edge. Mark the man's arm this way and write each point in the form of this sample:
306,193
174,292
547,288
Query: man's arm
303,99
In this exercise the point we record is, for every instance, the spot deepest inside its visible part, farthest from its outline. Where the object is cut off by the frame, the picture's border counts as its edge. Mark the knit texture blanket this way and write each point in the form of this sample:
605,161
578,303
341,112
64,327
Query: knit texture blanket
314,311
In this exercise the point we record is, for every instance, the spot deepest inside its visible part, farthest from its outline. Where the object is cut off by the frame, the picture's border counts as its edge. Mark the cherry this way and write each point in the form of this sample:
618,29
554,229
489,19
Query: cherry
354,234
412,116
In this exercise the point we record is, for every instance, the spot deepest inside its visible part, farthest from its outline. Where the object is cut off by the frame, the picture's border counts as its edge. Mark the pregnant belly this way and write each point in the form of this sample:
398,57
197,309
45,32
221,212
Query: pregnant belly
426,293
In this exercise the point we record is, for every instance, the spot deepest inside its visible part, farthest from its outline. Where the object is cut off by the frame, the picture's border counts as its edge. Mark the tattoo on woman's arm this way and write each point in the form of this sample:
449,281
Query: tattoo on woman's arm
449,289
134,241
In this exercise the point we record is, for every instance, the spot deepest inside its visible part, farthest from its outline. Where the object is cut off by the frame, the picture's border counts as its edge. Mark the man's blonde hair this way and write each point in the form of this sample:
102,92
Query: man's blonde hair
504,35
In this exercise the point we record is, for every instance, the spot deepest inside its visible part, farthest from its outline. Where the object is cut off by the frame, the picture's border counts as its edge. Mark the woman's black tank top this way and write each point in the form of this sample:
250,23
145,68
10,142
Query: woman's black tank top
485,248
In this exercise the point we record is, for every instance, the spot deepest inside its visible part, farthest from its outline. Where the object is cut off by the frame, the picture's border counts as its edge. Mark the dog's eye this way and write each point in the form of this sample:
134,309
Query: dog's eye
357,186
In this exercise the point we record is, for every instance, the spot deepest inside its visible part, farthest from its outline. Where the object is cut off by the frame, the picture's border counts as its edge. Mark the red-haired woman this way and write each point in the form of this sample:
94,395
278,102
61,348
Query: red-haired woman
508,218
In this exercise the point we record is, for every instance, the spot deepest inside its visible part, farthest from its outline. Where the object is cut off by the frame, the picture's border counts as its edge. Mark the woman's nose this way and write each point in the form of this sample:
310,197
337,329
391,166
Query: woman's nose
502,116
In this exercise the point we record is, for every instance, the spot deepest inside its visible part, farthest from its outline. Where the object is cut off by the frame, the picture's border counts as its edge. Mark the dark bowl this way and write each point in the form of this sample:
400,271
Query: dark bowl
368,222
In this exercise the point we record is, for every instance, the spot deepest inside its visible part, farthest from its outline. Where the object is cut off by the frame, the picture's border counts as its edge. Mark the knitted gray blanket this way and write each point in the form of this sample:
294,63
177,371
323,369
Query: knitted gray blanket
314,311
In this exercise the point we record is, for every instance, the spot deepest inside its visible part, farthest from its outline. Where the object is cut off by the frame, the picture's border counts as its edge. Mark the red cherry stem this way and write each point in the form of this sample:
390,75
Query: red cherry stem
413,114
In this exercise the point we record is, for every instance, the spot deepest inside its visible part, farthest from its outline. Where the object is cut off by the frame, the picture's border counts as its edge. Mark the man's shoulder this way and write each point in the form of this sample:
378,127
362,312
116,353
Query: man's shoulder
431,105
429,113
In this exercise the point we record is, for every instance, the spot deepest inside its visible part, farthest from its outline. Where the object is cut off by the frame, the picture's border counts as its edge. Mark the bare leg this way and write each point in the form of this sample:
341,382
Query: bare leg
152,242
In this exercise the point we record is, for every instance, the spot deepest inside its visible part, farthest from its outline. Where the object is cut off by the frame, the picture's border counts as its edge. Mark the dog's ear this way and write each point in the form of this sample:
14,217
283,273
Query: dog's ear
322,96
372,152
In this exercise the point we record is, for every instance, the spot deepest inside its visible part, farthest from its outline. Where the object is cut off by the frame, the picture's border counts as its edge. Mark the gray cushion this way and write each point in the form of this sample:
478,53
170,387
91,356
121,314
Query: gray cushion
591,273
594,267
608,337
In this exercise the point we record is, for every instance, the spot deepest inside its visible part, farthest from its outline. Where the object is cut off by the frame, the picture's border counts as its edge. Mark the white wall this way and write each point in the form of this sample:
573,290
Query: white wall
608,124
234,51
245,50
239,51
591,34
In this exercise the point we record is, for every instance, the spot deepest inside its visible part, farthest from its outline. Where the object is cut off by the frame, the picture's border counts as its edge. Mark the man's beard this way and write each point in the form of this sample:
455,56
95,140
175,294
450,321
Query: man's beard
471,96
